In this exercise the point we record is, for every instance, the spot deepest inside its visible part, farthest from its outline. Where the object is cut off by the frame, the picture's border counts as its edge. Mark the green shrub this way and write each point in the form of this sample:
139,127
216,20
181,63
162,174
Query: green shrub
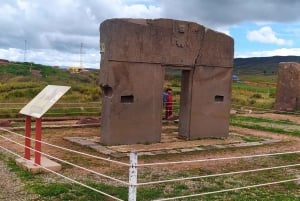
256,96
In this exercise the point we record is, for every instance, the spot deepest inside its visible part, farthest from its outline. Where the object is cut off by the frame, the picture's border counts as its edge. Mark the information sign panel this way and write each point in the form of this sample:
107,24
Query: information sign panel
40,104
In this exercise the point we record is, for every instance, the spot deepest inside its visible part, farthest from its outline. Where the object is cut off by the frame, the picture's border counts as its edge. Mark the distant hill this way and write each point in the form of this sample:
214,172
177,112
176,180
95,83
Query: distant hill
261,65
20,81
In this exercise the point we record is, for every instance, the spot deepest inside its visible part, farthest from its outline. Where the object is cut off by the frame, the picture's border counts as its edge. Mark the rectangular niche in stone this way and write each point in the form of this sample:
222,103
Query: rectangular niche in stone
127,99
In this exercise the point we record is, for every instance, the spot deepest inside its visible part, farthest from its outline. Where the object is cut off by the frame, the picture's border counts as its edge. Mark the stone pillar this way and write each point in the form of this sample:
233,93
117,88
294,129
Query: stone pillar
211,91
288,87
210,104
131,110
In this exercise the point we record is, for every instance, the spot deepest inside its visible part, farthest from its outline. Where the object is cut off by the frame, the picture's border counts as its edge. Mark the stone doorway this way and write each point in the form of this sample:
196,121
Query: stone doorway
181,96
134,55
185,106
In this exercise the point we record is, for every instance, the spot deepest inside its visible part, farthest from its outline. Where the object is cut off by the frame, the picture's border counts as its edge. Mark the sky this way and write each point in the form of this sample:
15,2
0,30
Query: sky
51,32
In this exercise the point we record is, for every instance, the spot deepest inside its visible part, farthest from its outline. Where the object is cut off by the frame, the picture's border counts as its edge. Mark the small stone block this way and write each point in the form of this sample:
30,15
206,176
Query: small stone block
80,141
45,162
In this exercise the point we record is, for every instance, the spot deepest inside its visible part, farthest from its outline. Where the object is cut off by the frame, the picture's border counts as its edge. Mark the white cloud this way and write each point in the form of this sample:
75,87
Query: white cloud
224,30
90,57
266,35
139,11
276,52
54,29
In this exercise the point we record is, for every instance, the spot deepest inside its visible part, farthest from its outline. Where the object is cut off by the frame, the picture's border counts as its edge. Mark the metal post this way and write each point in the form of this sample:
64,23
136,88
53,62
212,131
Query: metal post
132,177
27,137
38,138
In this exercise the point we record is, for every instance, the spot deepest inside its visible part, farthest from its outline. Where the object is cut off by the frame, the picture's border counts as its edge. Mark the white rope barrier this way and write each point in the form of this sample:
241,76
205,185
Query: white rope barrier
10,108
228,190
81,112
188,178
83,103
78,107
216,175
66,149
265,109
65,177
69,163
216,159
86,103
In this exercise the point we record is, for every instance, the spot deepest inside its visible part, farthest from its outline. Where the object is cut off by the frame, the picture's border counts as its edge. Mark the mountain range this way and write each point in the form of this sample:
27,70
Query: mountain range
261,65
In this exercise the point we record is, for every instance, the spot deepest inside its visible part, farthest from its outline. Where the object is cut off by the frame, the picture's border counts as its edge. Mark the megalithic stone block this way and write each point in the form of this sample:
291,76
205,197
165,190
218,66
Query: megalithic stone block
288,87
134,54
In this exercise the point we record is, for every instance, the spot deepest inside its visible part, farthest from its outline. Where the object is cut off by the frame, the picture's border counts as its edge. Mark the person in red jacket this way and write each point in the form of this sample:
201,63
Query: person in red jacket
169,104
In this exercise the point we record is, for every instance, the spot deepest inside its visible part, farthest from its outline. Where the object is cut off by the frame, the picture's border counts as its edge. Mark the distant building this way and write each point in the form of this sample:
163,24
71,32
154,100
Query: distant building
4,61
75,69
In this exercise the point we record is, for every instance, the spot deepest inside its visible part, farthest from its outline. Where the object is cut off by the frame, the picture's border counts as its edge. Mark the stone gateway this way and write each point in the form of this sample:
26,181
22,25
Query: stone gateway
134,55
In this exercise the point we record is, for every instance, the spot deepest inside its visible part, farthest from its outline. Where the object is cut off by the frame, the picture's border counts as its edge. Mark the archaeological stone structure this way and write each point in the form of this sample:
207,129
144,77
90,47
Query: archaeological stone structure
134,56
288,87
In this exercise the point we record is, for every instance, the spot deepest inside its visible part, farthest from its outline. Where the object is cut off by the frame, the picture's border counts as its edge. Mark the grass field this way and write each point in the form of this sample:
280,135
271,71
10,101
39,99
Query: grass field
18,86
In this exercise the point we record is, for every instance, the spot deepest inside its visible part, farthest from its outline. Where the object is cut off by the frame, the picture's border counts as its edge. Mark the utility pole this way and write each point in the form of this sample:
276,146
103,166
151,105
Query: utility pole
25,50
81,46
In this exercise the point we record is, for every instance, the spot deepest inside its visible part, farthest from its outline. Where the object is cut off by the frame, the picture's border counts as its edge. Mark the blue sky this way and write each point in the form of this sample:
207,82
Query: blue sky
257,40
54,29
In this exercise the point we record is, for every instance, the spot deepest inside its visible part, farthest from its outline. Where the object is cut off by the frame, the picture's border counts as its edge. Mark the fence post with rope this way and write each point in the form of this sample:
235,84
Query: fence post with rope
132,188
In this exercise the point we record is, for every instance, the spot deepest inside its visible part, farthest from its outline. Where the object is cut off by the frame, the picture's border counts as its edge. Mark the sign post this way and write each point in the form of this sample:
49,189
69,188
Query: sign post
36,108
38,144
27,137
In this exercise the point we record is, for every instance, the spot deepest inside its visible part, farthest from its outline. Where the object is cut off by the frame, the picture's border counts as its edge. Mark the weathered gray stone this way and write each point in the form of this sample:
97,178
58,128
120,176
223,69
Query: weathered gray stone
288,87
134,54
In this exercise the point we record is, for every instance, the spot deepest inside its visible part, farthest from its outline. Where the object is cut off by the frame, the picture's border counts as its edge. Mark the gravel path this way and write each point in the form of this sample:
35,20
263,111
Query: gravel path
11,187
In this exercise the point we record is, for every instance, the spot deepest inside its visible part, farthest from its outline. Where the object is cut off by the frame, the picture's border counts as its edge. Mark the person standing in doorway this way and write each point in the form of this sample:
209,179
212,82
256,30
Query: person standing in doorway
169,103
165,100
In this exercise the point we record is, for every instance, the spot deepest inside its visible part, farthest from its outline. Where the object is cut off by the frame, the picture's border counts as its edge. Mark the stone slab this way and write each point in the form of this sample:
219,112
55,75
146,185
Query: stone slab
165,146
288,87
45,162
102,149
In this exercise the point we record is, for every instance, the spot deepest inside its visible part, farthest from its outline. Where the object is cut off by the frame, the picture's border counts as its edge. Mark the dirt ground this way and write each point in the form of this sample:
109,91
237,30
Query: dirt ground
55,136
